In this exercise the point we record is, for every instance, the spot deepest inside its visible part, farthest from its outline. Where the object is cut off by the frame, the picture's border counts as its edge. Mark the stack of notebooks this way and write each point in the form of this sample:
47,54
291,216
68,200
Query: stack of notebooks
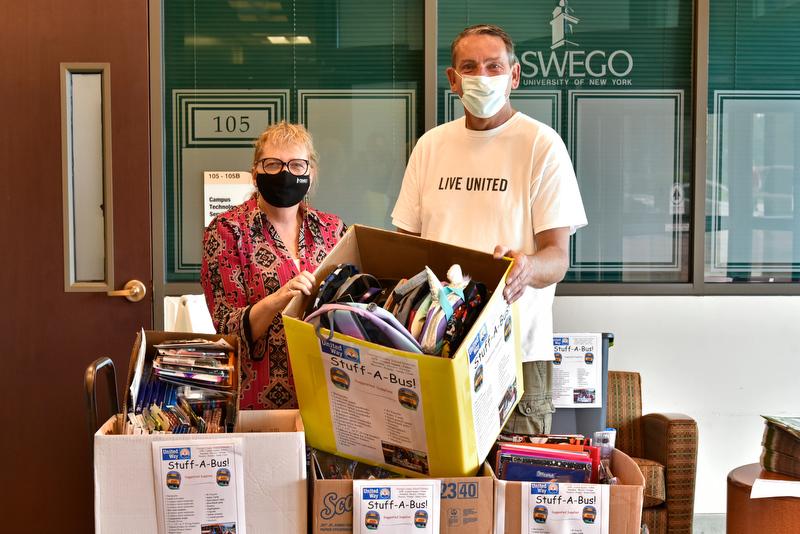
547,462
186,387
781,443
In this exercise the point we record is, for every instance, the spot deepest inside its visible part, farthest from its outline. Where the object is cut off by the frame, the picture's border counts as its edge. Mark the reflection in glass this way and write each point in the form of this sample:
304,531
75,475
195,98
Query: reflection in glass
753,187
627,152
231,68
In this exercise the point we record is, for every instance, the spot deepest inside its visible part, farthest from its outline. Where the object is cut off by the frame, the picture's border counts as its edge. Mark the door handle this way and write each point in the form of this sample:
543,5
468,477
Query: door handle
134,291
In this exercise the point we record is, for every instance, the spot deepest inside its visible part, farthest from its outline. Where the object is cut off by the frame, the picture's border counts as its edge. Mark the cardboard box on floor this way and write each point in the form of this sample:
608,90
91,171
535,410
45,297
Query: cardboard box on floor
274,473
353,394
625,506
467,505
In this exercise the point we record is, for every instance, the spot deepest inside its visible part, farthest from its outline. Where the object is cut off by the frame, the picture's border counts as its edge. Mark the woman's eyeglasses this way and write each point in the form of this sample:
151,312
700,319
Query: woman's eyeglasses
296,167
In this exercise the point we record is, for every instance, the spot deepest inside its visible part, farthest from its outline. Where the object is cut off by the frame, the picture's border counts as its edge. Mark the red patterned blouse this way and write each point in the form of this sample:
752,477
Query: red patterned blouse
244,260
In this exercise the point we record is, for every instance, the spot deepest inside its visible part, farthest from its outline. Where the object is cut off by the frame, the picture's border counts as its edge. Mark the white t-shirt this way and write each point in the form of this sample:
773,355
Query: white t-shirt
479,189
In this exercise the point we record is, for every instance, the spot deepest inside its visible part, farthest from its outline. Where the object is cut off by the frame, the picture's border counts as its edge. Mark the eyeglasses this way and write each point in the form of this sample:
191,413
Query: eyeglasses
296,167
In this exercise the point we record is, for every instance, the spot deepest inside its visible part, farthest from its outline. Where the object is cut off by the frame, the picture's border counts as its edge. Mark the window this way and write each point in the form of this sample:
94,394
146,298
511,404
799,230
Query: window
87,187
659,103
614,79
351,71
753,183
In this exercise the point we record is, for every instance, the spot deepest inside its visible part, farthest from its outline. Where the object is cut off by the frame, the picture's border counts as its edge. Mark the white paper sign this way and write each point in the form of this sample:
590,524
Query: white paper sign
555,508
764,488
199,486
396,506
223,190
493,379
578,371
376,405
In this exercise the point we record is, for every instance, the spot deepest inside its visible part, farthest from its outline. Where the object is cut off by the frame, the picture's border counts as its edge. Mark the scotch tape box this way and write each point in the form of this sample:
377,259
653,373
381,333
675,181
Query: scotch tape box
625,499
415,414
274,474
467,505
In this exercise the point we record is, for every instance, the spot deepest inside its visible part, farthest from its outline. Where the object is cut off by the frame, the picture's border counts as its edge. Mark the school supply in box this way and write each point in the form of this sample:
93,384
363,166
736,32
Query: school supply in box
547,462
183,384
331,467
540,439
387,402
421,314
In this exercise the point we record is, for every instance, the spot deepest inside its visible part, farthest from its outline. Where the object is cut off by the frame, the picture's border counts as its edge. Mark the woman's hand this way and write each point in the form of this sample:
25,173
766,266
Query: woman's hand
302,283
264,311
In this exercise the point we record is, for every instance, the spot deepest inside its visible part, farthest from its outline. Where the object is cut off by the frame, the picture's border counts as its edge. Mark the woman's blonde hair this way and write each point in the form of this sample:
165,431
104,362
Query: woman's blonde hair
283,134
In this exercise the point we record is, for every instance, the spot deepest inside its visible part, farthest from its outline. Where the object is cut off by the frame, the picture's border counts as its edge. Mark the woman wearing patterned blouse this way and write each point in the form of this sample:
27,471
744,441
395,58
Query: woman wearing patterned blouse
260,254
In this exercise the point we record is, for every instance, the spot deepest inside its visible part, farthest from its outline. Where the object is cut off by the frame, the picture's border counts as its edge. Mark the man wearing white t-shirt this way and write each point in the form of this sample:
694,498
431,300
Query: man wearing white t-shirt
502,182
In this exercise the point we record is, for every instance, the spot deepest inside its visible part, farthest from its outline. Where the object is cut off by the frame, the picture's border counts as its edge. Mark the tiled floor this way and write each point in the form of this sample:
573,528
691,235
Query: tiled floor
709,524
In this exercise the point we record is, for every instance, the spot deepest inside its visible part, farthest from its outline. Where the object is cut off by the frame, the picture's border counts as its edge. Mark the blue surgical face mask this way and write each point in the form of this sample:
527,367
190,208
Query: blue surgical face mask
282,189
484,96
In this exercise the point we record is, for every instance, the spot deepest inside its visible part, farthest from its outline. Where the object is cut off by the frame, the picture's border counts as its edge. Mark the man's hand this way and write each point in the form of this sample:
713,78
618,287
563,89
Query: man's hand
521,274
545,267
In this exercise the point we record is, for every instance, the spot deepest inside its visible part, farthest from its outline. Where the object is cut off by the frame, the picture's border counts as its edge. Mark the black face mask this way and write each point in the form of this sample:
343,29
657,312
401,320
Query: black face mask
282,189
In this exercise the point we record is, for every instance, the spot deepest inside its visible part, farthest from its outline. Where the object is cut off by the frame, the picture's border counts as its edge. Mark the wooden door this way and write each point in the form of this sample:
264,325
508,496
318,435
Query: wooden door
50,335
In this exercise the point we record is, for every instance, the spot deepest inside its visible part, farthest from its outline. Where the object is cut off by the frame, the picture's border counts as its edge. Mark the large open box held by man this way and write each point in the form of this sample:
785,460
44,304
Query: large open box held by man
416,414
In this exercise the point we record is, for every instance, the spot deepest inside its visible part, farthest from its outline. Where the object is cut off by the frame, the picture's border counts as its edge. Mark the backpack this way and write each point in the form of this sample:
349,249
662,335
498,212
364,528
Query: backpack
367,322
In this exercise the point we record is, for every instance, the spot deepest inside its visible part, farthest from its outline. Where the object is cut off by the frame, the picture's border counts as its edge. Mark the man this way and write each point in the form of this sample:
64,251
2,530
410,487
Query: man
501,182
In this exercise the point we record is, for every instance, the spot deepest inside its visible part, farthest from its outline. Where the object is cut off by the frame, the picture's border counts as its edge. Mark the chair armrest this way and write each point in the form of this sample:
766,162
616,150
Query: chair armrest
671,440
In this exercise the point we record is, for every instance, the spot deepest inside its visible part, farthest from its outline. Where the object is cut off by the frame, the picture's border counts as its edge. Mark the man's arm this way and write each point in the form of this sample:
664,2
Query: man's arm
546,266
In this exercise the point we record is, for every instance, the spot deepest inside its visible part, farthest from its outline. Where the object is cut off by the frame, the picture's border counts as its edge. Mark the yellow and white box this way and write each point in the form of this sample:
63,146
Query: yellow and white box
415,414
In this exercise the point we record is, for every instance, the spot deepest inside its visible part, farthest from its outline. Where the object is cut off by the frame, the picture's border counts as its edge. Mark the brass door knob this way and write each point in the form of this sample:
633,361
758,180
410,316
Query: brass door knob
134,291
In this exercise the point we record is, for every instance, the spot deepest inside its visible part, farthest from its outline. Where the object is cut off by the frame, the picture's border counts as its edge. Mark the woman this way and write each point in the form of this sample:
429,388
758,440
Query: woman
260,254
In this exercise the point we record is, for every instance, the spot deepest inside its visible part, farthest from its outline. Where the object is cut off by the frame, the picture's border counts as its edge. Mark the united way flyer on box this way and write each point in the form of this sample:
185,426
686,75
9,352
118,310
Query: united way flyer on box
199,486
396,506
376,405
554,508
493,379
578,371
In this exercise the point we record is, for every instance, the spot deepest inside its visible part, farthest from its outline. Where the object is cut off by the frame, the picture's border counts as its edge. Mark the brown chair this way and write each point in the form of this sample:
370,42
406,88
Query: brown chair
664,445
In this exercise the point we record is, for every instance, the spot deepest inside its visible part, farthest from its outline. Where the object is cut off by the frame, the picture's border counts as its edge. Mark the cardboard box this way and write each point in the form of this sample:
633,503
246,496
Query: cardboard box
274,463
275,485
467,505
354,395
625,505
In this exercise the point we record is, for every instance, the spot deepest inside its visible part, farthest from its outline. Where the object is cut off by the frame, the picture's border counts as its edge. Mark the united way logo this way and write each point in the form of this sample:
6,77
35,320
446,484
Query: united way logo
563,24
376,494
175,453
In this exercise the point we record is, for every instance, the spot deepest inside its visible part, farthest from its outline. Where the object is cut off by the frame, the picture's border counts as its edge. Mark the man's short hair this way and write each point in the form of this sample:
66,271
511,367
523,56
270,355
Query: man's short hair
484,29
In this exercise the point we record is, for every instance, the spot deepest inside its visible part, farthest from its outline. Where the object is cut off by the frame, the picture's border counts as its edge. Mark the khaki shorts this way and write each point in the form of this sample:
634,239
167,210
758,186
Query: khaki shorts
534,413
